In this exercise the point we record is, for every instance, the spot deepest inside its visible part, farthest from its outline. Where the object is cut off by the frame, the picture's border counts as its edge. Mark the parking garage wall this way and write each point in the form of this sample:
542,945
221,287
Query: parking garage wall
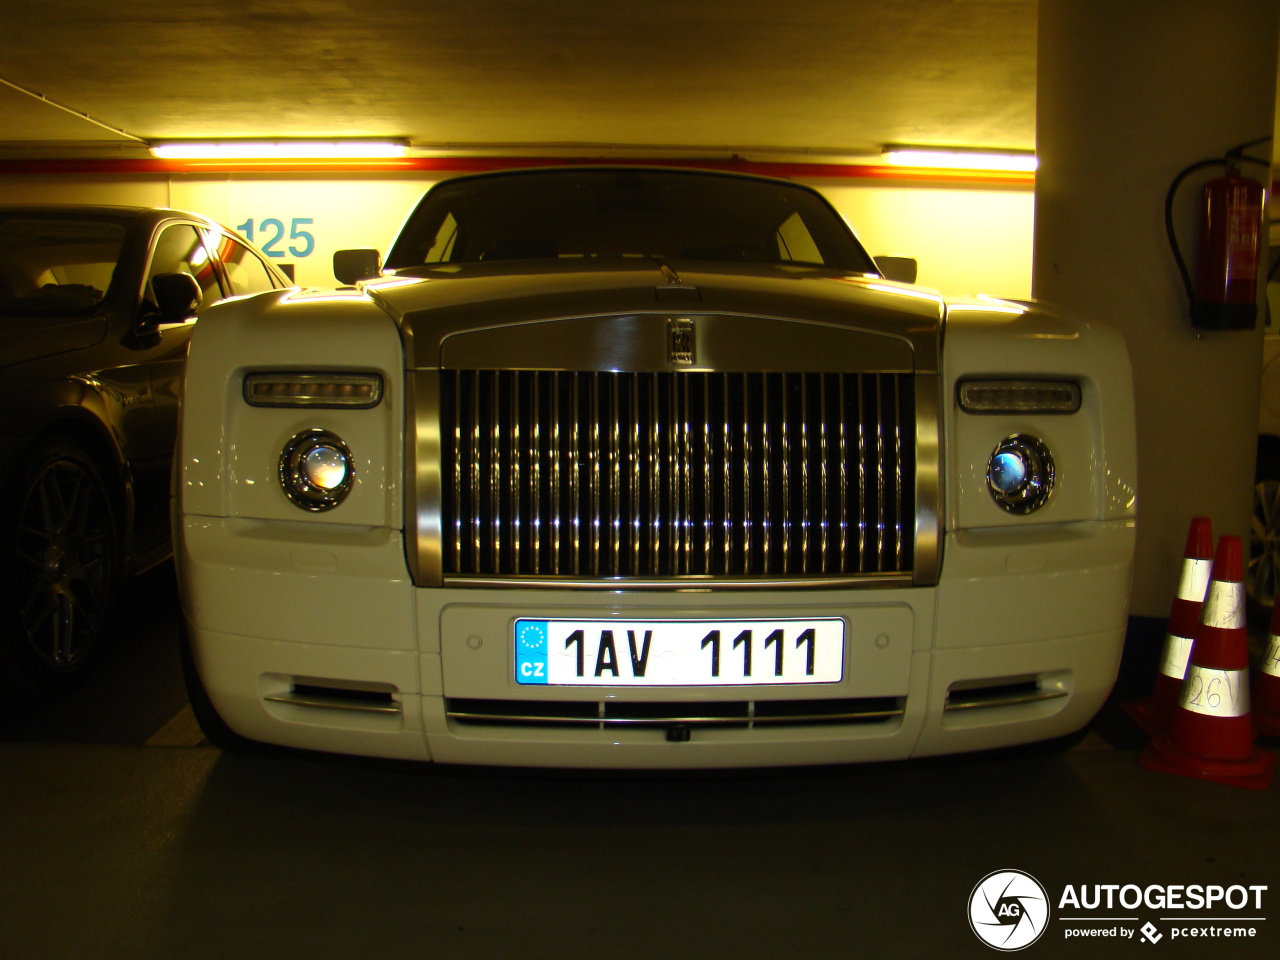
968,240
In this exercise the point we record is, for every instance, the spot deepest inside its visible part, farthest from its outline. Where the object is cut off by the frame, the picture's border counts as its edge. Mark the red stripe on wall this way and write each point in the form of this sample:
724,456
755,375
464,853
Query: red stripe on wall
410,165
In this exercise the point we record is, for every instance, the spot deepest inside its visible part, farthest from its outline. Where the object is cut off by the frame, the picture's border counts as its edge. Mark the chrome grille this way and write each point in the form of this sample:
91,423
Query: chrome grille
668,475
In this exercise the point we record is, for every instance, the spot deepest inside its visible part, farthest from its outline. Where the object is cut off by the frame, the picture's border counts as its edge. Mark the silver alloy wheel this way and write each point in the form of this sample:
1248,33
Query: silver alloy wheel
1264,544
65,558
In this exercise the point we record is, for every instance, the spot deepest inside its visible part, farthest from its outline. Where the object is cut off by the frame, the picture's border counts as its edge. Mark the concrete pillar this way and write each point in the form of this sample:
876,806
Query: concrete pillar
1129,94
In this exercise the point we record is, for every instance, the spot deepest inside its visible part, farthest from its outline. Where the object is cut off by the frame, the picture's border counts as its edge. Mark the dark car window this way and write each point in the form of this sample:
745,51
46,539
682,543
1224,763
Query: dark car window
179,250
54,265
661,214
247,273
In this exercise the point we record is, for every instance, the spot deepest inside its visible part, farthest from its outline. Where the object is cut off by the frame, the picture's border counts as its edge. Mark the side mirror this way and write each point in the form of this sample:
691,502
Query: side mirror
352,266
177,295
901,269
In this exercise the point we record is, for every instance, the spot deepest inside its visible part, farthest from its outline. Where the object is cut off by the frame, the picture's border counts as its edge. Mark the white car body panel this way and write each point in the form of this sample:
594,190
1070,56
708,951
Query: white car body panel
279,600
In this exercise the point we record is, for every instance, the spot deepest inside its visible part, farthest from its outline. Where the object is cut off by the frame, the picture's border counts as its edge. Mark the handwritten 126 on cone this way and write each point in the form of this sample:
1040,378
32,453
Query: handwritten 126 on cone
1211,737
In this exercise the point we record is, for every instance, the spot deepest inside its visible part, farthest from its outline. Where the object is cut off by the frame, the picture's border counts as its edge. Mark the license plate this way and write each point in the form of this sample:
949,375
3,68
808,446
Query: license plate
679,653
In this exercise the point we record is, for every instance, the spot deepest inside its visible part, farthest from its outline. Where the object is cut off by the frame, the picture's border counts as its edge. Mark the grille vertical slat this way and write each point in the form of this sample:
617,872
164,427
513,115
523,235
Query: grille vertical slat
727,522
593,475
879,422
686,479
495,471
637,514
667,475
457,474
654,471
675,484
745,460
804,471
535,479
844,483
518,447
862,480
476,526
826,497
555,506
706,475
766,514
786,476
616,485
573,467
899,531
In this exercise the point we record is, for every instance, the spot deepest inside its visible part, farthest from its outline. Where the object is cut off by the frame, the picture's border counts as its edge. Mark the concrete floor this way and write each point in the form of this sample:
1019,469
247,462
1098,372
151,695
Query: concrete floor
110,847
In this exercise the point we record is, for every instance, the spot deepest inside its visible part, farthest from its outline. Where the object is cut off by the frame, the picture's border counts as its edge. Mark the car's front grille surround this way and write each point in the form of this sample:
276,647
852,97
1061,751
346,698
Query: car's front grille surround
667,476
606,714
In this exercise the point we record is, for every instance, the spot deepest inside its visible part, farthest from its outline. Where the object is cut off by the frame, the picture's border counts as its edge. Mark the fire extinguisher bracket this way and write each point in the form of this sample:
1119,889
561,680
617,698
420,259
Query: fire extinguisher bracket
1223,316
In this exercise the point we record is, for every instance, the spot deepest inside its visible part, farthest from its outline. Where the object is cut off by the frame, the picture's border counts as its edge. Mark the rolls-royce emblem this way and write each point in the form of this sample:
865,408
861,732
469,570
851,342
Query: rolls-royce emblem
680,343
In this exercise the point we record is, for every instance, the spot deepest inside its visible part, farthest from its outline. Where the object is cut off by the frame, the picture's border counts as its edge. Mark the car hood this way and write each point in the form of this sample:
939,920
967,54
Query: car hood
615,315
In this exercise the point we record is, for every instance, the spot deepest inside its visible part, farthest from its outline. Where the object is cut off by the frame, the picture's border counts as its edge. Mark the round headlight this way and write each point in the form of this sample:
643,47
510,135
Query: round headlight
1020,474
316,470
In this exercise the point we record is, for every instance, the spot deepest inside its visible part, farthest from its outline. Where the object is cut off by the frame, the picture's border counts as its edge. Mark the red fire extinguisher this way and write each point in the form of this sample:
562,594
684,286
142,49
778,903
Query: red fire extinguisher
1229,252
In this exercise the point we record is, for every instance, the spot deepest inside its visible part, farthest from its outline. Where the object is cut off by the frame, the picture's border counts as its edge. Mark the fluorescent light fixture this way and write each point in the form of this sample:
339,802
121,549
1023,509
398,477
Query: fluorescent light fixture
280,149
945,158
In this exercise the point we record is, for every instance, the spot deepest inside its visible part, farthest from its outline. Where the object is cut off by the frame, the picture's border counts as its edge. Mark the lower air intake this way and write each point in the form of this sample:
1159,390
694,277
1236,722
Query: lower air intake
737,713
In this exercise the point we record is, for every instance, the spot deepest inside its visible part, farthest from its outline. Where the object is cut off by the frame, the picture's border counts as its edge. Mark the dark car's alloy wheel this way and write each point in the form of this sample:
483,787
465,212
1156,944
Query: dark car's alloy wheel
62,564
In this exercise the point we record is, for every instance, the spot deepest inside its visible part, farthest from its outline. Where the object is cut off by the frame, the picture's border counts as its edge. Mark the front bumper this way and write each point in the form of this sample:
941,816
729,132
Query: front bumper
314,636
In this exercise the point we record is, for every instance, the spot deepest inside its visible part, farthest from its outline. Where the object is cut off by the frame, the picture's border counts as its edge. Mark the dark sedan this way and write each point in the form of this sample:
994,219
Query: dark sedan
97,305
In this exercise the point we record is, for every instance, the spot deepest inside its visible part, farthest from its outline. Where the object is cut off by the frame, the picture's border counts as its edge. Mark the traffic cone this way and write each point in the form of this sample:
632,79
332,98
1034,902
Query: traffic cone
1211,737
1266,687
1155,712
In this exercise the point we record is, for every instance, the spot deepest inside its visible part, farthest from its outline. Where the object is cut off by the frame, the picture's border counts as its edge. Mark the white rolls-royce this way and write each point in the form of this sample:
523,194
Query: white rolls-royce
641,467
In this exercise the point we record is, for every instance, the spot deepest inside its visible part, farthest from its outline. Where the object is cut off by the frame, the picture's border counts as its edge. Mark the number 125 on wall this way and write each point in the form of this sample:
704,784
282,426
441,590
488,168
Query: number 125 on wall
271,233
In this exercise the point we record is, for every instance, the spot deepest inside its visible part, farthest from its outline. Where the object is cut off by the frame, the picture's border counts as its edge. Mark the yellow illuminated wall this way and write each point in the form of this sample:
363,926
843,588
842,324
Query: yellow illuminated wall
279,215
967,241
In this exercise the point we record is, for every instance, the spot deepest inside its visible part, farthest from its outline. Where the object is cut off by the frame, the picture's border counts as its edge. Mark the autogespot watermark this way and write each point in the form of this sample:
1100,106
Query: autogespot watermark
1009,910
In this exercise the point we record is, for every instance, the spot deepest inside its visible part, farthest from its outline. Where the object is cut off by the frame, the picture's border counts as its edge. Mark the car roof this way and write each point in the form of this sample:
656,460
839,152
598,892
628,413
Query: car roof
103,210
625,167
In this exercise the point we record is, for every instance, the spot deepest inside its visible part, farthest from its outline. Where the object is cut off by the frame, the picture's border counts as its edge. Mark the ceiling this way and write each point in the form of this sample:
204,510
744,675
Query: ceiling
88,78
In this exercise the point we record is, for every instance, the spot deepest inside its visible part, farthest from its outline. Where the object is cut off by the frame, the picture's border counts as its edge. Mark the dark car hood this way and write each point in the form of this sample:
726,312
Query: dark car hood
456,315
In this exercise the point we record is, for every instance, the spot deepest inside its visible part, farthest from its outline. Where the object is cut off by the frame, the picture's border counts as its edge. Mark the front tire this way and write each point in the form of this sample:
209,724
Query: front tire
59,569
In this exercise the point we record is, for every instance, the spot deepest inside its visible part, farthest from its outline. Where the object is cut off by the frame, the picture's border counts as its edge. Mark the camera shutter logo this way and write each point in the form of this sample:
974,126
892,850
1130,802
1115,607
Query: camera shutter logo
1008,910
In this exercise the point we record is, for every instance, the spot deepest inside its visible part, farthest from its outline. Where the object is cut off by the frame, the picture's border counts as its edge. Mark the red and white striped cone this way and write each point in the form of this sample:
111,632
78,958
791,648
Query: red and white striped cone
1211,737
1266,686
1155,712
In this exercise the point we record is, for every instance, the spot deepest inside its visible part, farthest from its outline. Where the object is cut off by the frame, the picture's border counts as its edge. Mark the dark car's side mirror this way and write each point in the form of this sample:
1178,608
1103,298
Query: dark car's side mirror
178,296
902,269
352,266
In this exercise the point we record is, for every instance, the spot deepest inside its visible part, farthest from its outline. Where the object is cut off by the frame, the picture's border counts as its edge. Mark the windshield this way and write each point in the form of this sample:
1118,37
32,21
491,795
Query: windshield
658,214
56,265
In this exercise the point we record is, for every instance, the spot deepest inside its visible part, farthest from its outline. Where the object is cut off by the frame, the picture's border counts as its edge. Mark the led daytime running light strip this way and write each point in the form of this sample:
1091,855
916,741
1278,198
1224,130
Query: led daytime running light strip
312,390
1019,396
